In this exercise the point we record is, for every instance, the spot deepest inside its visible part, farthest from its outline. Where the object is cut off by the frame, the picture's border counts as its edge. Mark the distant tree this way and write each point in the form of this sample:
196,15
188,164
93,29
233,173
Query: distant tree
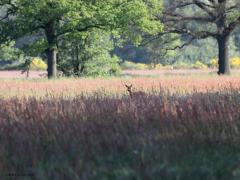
56,18
208,19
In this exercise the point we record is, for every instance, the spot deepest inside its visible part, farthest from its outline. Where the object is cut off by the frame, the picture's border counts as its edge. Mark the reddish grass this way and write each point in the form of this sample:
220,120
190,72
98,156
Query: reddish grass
56,137
73,87
19,74
160,135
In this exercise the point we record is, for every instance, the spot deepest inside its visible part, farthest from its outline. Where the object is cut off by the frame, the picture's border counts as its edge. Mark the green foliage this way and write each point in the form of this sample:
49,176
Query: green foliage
37,48
155,52
87,54
60,18
137,17
162,49
102,65
120,16
9,53
203,49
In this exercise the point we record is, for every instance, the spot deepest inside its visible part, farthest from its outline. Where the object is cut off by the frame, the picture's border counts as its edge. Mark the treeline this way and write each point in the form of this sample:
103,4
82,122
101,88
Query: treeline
94,37
199,50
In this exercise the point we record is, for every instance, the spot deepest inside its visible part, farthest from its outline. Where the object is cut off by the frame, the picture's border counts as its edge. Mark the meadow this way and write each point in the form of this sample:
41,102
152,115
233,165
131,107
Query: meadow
183,127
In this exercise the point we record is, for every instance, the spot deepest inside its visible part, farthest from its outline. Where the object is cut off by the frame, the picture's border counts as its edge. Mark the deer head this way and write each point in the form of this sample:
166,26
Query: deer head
129,89
134,94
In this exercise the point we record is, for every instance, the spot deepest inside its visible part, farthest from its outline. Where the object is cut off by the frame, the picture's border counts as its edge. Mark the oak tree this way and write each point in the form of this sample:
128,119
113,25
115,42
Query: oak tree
56,18
207,19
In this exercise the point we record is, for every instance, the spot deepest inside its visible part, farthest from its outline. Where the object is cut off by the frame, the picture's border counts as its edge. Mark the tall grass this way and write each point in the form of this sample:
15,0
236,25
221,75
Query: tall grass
72,87
162,135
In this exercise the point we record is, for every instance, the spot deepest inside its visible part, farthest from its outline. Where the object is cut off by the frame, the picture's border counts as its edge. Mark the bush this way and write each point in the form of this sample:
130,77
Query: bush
235,62
131,65
213,63
176,65
102,66
199,65
181,65
38,64
155,66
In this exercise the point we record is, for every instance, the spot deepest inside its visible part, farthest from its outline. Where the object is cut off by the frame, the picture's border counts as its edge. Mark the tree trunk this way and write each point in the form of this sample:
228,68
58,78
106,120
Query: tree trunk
76,62
51,50
52,63
223,55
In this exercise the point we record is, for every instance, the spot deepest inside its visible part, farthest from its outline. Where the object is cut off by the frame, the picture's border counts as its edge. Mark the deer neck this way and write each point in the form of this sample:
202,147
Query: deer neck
130,93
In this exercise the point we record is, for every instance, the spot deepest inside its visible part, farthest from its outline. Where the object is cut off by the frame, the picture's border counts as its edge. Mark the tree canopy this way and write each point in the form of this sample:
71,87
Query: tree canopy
56,18
209,18
162,28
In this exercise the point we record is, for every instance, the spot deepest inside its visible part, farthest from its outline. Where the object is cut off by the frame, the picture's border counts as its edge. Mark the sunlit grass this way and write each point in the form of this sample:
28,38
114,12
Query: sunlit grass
87,86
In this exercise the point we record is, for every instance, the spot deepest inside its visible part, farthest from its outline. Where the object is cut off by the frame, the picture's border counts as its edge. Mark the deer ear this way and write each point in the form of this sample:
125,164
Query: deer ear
131,86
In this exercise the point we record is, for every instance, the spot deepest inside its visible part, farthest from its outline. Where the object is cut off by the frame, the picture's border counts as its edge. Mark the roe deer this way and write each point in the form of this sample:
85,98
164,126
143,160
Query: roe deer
134,94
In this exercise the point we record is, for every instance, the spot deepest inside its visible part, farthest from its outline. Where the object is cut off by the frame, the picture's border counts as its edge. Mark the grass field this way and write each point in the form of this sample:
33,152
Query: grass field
183,127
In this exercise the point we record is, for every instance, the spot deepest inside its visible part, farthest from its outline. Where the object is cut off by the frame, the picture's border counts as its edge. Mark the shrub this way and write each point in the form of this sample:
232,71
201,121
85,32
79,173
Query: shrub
155,66
181,65
168,67
235,62
176,65
142,66
199,65
213,63
132,65
38,64
104,65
